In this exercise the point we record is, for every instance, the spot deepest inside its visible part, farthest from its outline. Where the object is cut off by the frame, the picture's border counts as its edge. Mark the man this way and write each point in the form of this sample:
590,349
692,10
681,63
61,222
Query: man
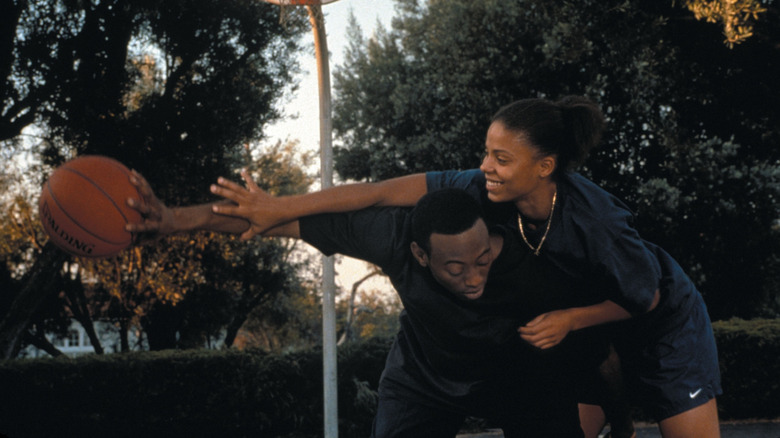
465,290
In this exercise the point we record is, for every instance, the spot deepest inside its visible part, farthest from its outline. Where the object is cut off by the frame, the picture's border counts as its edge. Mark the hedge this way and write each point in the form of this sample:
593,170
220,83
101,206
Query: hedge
186,393
254,394
749,354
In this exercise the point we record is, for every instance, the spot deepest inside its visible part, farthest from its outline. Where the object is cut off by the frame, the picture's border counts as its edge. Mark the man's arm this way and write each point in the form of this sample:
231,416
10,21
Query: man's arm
161,220
264,211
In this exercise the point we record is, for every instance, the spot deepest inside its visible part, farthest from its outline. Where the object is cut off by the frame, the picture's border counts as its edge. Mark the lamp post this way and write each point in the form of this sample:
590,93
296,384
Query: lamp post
329,349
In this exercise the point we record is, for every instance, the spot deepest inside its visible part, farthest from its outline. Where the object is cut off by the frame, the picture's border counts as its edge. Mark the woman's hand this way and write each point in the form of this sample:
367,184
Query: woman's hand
548,329
262,210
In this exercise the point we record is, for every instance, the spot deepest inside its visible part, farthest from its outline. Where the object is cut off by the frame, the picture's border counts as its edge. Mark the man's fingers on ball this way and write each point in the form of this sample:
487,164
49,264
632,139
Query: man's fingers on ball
228,184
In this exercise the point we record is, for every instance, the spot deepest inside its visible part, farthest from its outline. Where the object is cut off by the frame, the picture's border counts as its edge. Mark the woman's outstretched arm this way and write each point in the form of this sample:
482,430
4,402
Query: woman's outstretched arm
264,211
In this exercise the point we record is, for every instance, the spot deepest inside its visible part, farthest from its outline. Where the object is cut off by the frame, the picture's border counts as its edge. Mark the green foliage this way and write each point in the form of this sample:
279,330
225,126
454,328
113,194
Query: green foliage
698,208
252,393
191,290
196,393
181,82
748,361
692,132
736,17
375,315
420,97
173,89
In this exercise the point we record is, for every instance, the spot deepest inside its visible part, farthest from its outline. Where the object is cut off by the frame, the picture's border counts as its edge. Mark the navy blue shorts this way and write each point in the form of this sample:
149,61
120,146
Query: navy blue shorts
671,364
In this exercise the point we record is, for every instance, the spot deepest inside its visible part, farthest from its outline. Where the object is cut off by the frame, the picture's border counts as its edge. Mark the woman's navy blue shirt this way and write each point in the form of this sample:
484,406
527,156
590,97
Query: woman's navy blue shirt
592,239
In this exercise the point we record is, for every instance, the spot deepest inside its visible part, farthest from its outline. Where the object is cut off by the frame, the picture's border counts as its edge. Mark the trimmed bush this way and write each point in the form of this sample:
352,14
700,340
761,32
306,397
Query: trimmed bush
254,394
749,354
187,393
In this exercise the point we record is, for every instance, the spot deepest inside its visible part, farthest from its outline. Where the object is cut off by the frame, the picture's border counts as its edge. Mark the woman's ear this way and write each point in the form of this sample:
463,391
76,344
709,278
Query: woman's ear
547,166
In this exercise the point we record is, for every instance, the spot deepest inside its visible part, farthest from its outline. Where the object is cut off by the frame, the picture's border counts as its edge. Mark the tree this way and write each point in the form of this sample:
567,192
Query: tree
736,17
375,315
349,317
184,81
692,123
173,89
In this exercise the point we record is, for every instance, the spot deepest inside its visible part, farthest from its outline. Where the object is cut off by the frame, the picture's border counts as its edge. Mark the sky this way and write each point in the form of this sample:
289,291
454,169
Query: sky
305,104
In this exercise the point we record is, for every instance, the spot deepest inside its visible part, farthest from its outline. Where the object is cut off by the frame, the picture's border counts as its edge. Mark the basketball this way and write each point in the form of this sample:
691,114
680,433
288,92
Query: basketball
83,206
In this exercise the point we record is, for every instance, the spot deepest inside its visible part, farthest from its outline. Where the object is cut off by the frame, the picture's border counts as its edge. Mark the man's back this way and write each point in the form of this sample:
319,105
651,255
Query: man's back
450,350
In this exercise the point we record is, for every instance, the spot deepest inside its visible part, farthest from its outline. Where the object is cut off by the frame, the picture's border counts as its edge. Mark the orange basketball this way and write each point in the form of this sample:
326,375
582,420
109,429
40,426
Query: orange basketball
83,206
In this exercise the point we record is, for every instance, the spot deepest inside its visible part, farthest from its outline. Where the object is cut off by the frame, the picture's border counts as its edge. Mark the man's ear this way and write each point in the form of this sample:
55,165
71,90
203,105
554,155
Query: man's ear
547,165
419,254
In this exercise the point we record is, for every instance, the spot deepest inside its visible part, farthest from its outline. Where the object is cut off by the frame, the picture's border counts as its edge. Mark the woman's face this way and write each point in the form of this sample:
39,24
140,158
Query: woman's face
512,165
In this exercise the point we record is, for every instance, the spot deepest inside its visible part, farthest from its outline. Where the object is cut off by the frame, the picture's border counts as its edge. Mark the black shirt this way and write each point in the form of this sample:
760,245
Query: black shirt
462,354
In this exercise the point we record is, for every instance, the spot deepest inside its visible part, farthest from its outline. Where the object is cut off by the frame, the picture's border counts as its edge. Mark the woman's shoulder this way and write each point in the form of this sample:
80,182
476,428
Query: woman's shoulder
463,179
591,207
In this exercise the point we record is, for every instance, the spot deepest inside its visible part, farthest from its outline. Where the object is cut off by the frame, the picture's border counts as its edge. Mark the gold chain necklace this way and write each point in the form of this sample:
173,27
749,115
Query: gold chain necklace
547,230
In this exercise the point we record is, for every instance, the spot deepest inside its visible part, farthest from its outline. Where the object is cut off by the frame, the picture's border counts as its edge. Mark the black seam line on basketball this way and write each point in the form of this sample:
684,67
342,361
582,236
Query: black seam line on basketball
74,220
56,201
101,190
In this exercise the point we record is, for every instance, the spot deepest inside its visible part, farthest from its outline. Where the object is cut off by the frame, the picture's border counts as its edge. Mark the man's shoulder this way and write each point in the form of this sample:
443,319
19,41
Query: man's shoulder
379,235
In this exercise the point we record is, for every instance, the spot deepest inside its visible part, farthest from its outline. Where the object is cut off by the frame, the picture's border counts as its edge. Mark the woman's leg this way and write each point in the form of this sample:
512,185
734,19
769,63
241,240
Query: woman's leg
700,422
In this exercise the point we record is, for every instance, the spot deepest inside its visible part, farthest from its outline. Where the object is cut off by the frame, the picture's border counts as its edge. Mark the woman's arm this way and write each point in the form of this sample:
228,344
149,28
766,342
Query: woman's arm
250,203
264,211
549,329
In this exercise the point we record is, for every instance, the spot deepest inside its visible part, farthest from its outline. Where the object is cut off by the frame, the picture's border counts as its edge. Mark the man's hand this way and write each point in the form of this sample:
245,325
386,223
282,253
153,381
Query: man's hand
548,329
158,219
262,210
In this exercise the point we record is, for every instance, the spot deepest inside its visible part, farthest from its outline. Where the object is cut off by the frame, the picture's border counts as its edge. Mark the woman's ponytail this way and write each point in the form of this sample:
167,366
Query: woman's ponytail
567,129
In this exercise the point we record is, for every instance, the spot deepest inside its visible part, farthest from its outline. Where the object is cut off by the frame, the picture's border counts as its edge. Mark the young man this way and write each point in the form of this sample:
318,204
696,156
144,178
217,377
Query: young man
458,352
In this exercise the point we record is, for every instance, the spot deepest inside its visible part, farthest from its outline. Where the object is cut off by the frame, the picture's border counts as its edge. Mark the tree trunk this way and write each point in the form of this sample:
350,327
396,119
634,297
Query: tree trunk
38,340
74,291
124,326
273,283
38,287
347,334
161,327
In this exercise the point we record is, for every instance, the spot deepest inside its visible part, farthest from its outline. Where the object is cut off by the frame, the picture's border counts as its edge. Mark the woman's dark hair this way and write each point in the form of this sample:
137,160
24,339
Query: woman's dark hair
444,211
568,128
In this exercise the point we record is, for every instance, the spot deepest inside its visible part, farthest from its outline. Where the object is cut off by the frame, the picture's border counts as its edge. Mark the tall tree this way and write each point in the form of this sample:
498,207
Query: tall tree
174,89
692,122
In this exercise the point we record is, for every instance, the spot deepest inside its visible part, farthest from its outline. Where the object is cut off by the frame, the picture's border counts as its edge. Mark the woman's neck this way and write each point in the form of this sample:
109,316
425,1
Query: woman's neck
536,206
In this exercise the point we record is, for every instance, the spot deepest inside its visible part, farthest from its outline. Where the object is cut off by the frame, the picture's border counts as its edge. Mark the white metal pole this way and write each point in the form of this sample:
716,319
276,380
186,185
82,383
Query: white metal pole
329,348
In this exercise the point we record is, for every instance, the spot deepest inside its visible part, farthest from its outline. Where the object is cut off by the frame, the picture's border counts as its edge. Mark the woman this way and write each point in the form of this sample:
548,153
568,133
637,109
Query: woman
526,180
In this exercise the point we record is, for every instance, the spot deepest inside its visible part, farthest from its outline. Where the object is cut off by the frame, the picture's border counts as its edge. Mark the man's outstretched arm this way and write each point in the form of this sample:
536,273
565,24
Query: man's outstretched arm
159,220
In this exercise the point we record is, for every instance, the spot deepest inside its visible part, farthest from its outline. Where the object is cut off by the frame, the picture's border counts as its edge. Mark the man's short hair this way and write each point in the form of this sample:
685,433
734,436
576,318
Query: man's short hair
445,211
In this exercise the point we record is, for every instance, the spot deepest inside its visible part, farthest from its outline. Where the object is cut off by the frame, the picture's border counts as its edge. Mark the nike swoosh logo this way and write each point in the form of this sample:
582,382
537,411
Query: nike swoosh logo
695,393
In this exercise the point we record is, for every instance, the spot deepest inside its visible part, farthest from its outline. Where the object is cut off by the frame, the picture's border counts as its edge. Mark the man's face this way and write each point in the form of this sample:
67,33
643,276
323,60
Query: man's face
459,262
